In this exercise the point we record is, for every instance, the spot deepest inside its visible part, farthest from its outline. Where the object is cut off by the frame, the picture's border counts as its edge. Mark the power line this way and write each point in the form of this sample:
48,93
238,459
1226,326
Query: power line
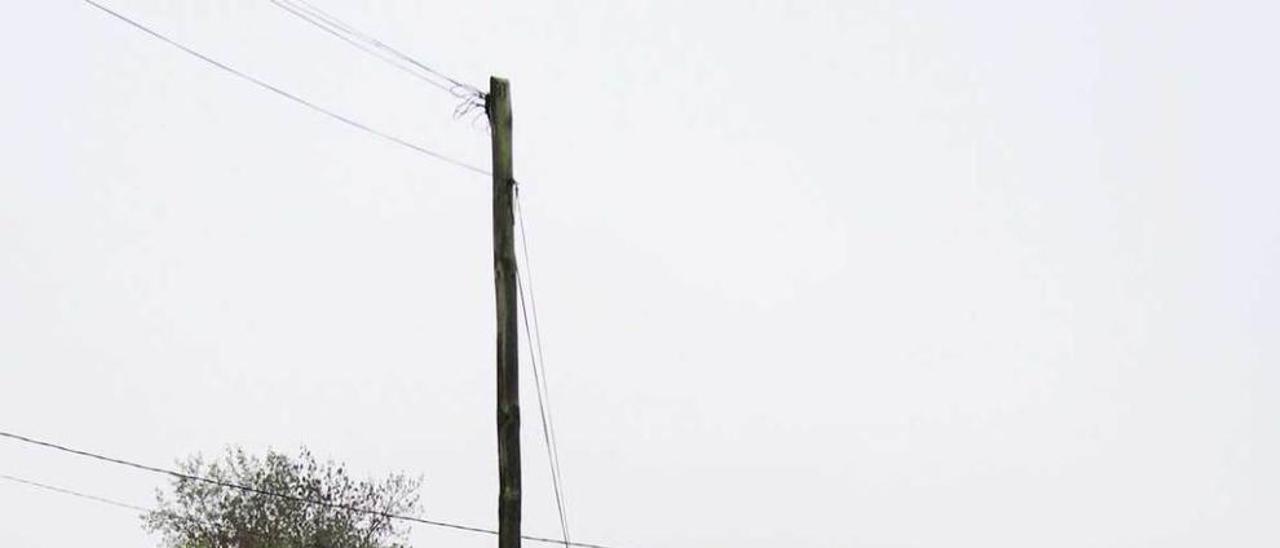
539,366
343,34
537,327
283,93
74,493
255,490
542,412
332,25
319,17
544,381
540,377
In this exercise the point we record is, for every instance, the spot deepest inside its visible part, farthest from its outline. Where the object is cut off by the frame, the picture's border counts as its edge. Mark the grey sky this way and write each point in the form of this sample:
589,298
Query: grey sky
883,274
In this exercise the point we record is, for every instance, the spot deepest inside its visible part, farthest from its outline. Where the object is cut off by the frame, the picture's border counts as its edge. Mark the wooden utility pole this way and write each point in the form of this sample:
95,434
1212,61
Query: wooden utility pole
498,107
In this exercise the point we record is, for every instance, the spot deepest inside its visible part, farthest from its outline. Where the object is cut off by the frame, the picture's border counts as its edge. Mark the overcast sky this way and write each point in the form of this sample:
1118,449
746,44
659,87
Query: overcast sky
843,273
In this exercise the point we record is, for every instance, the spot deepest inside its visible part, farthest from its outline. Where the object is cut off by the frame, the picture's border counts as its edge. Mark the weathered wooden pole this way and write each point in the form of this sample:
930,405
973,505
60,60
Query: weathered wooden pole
498,107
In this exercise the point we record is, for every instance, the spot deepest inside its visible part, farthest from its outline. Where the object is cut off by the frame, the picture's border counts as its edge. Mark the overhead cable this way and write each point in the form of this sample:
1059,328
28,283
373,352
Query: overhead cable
295,98
332,25
73,493
533,334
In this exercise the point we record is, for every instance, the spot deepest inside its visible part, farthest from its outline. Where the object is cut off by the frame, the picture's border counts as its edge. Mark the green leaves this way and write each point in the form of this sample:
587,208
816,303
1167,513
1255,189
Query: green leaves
286,502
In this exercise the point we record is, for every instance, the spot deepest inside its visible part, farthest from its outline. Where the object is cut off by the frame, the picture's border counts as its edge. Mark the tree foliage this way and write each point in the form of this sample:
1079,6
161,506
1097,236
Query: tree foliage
198,514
